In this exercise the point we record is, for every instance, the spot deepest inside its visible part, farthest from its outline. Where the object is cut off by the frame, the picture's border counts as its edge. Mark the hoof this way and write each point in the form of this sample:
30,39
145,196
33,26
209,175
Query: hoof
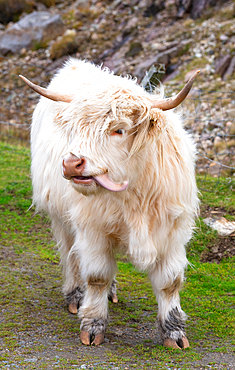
114,298
179,344
170,343
183,343
99,339
85,337
73,308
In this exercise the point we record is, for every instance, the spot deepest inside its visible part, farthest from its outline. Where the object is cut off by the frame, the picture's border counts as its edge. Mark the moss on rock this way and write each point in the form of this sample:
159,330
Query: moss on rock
66,44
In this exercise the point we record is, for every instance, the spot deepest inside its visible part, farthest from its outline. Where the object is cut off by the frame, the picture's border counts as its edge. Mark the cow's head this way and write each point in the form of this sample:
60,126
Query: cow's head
104,133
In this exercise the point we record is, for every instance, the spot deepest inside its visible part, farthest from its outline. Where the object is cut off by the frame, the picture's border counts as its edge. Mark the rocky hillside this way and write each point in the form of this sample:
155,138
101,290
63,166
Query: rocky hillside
168,40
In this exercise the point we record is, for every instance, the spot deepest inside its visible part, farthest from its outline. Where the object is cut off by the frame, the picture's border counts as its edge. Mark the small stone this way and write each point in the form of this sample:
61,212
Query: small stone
224,38
215,249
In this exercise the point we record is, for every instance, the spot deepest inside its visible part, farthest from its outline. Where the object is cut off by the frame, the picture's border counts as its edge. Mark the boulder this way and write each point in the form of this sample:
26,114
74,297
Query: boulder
230,70
32,31
10,10
222,64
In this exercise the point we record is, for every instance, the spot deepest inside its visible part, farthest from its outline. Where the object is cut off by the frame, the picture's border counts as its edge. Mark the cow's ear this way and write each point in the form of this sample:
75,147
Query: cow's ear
157,120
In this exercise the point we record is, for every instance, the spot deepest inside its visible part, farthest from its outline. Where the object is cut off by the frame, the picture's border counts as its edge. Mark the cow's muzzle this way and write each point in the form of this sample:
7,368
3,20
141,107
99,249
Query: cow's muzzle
72,166
73,169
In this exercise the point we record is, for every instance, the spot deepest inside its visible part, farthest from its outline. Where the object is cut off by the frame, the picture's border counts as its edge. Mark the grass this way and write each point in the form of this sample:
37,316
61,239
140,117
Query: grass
37,332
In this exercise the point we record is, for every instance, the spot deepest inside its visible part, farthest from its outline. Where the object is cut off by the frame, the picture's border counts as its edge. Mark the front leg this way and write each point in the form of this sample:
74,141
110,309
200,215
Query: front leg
171,322
171,318
94,311
98,268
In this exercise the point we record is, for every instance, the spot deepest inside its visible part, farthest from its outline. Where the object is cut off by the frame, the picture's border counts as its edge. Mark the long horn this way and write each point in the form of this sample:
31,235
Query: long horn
47,93
170,103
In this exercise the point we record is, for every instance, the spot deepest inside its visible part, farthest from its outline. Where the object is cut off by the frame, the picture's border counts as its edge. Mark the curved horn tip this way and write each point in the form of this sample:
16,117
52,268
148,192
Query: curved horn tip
25,79
22,77
194,75
170,103
28,82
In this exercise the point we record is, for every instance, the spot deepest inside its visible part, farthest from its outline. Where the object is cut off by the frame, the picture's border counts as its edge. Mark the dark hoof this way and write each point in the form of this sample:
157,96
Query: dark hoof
73,308
85,337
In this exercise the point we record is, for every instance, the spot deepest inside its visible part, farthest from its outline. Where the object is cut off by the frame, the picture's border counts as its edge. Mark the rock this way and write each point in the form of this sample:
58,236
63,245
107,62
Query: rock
198,7
131,26
64,45
231,130
231,143
11,9
171,76
135,49
219,144
224,38
231,69
154,8
82,4
31,31
47,3
223,227
41,7
222,64
183,7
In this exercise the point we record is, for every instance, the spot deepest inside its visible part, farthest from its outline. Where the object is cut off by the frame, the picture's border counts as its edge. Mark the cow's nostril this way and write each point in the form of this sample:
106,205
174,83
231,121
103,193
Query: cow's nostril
81,163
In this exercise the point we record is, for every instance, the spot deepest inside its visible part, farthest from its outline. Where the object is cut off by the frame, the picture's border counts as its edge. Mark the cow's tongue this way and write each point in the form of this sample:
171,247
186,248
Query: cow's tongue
108,184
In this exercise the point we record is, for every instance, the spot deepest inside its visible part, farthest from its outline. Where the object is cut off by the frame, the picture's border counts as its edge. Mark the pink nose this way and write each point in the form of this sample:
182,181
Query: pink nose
73,166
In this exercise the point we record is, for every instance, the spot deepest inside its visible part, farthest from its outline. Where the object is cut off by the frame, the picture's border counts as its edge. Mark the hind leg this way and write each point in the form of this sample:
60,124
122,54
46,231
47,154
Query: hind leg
112,296
74,298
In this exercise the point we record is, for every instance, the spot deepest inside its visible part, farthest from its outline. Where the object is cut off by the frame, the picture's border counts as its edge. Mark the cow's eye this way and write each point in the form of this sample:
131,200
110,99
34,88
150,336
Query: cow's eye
118,132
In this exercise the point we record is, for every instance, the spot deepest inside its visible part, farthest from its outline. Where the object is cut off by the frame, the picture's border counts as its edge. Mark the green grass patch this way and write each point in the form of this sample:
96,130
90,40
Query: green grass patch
36,330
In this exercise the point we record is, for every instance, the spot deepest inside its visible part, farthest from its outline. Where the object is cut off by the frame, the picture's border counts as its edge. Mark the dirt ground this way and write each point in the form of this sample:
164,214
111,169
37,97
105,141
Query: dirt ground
42,346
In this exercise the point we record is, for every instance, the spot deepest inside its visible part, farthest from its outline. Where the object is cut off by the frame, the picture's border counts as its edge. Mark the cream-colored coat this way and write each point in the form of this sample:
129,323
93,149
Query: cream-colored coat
151,220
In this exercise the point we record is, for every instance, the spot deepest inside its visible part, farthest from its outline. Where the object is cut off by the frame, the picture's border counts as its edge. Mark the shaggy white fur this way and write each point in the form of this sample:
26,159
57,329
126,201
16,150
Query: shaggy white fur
110,123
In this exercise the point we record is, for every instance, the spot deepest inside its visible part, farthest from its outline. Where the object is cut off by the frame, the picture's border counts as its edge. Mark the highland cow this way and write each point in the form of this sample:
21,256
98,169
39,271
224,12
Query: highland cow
114,168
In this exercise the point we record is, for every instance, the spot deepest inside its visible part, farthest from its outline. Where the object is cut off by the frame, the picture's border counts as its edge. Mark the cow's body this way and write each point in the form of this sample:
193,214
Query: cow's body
110,124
